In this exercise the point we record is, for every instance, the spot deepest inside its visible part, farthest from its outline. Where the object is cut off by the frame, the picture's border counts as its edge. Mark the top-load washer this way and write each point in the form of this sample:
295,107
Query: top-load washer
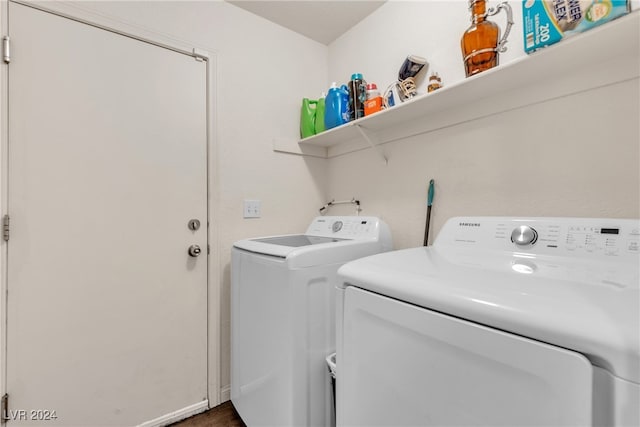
283,293
501,322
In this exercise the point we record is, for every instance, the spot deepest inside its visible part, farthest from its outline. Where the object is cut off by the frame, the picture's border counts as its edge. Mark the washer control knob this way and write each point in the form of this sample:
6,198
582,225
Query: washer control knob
337,226
524,236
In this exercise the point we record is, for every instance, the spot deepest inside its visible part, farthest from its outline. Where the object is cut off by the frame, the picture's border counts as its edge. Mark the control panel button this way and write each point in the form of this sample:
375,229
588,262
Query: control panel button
524,236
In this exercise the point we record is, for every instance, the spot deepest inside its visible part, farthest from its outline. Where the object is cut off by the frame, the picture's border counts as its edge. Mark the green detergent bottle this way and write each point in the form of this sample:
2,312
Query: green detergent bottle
320,127
308,118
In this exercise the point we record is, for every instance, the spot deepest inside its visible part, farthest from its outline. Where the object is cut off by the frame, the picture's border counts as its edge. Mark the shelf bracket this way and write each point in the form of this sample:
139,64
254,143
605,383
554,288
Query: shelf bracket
372,141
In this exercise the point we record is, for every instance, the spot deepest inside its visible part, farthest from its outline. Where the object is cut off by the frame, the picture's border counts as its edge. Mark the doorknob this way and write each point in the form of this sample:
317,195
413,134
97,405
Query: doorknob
194,250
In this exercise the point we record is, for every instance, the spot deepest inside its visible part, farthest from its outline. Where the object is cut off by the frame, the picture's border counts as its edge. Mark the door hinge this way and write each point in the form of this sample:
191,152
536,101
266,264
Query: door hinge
5,228
208,249
5,408
6,49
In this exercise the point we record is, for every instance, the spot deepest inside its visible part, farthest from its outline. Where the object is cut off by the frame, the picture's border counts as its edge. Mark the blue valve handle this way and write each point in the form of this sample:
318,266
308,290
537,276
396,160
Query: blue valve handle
431,193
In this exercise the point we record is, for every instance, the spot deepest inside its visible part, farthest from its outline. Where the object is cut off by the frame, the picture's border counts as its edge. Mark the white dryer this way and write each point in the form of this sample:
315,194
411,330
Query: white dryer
502,322
283,294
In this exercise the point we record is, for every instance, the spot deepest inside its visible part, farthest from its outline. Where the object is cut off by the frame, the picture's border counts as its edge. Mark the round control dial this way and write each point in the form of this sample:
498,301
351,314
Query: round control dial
337,226
524,236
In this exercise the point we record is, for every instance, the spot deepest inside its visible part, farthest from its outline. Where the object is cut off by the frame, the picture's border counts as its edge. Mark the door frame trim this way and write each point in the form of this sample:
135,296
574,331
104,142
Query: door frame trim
163,40
4,175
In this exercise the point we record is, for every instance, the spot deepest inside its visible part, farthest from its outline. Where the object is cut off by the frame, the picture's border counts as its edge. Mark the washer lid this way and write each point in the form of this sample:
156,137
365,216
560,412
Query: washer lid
592,307
283,246
297,240
328,239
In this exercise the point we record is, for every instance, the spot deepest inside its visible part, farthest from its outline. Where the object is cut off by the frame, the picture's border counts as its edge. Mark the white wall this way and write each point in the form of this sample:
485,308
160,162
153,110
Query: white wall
573,156
263,72
506,166
378,45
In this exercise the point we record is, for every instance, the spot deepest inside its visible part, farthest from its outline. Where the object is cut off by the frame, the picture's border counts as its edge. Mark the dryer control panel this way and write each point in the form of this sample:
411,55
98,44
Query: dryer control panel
345,227
579,237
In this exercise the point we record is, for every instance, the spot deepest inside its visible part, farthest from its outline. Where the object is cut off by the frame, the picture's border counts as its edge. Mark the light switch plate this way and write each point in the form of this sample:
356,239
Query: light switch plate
252,208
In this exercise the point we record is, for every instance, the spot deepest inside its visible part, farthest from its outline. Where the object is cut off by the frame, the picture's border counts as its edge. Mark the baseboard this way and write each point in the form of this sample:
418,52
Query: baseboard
225,393
178,415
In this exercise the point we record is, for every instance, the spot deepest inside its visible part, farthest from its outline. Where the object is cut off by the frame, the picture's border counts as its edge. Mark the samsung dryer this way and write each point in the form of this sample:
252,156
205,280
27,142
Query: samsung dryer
283,293
503,321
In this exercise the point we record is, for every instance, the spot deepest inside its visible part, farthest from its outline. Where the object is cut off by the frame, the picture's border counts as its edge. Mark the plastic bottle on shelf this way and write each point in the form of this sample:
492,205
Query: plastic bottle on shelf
357,96
372,91
320,107
308,117
373,104
336,106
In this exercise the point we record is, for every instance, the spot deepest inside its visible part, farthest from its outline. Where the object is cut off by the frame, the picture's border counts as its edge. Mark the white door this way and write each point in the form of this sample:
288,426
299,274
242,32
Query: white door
107,155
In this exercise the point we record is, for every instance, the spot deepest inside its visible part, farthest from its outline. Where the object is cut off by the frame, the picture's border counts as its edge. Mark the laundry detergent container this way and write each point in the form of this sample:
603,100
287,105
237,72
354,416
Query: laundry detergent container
336,111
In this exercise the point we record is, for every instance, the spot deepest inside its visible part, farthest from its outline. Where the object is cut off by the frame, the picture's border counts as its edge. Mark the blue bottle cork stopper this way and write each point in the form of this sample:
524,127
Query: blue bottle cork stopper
356,76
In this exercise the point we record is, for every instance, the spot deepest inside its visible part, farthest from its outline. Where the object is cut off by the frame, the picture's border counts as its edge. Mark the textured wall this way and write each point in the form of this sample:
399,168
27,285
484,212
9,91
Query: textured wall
577,155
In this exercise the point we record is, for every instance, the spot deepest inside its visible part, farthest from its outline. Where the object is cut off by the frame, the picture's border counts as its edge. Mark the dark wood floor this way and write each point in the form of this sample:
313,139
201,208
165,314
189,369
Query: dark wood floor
224,415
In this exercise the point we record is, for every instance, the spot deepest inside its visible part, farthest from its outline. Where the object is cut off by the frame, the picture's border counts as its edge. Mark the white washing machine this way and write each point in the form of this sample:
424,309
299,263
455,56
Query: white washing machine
501,322
283,294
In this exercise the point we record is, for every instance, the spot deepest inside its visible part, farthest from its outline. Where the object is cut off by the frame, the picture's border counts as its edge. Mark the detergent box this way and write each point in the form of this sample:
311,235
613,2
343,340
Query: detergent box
548,21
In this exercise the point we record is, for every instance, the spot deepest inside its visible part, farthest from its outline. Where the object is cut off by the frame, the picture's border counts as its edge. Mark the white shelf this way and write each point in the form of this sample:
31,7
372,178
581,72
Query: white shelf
605,55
